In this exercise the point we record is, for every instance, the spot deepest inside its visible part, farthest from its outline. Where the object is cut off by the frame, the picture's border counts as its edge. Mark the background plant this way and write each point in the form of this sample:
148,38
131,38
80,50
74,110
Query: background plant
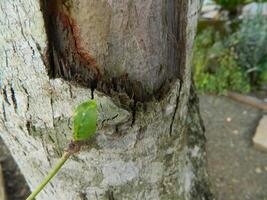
233,5
250,43
231,58
215,64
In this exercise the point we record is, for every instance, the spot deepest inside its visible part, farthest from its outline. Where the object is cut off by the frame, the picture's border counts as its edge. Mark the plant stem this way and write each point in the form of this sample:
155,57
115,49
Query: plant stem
60,163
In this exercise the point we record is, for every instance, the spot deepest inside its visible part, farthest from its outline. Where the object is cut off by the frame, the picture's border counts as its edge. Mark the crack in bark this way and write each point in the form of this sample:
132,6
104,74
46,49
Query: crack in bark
6,59
52,109
96,196
46,149
53,122
133,108
4,111
176,108
23,34
82,196
4,92
70,91
51,139
93,87
108,119
110,195
39,49
28,97
13,97
28,126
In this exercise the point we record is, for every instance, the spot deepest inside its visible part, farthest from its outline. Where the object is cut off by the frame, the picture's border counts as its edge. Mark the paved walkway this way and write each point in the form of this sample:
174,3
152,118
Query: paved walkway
237,171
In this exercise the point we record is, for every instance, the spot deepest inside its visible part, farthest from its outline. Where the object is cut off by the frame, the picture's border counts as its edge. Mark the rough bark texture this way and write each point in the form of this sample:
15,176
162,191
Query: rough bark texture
150,148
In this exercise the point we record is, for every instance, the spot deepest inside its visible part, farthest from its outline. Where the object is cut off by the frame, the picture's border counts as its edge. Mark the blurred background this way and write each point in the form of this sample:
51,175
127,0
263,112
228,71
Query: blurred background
230,74
231,47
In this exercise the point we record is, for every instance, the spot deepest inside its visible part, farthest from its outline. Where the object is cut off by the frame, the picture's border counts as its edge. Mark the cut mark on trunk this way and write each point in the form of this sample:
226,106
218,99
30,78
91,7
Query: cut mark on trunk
83,58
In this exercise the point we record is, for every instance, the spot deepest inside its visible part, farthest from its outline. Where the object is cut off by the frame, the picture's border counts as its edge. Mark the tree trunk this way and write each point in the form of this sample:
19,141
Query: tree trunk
133,57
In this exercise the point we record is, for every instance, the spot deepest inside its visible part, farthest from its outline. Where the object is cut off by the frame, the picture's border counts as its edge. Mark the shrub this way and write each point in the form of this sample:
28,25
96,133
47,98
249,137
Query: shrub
233,61
250,43
232,5
215,67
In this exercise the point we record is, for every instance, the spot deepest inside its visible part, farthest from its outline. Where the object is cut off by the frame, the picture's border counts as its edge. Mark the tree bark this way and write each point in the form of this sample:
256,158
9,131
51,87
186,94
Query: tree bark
133,57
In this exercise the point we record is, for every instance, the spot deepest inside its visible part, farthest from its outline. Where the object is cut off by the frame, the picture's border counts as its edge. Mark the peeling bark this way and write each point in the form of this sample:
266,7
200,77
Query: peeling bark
146,147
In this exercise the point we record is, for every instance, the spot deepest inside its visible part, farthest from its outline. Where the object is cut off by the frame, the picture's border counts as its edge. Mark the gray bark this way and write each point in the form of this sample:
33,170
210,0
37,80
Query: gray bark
149,146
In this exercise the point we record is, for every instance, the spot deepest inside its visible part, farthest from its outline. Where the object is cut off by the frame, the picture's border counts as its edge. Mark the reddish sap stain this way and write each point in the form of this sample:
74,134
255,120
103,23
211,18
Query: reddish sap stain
70,23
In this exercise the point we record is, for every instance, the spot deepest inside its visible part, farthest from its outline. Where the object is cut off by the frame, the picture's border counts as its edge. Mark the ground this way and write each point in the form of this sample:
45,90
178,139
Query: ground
237,170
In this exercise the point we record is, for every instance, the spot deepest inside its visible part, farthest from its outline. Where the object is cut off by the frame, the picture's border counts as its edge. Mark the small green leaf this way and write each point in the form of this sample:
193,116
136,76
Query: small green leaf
85,117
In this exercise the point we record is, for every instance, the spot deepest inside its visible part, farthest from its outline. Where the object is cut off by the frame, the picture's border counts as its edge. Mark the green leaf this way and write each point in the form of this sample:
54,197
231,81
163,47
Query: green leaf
85,117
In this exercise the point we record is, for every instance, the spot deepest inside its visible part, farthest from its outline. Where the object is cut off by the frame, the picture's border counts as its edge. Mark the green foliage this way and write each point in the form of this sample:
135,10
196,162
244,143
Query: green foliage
232,5
250,43
215,65
233,61
262,73
85,117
